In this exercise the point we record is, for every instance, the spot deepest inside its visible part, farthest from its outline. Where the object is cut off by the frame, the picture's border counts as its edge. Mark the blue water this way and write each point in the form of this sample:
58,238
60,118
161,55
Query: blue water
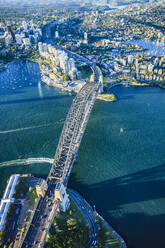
155,48
32,116
122,173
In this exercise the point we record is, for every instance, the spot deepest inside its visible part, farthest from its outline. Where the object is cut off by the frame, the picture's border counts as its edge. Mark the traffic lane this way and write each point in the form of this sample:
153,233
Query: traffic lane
31,230
84,205
45,221
84,209
93,230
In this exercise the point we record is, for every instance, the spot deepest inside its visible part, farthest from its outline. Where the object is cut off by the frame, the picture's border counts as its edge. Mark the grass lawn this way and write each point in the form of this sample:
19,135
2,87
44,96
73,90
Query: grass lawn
107,239
74,213
32,197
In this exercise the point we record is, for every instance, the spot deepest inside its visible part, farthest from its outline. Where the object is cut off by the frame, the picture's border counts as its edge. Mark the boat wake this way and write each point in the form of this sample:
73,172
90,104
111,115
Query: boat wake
28,128
26,161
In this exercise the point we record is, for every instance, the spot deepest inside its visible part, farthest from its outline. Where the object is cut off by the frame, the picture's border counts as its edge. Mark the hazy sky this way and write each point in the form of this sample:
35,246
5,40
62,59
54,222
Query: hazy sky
36,1
2,2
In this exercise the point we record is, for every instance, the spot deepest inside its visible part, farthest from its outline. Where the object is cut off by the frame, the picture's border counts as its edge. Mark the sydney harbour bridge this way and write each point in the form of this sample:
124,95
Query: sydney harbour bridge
65,155
74,128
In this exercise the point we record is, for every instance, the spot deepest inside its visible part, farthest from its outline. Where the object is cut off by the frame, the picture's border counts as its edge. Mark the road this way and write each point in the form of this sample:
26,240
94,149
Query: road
90,216
66,152
88,213
46,210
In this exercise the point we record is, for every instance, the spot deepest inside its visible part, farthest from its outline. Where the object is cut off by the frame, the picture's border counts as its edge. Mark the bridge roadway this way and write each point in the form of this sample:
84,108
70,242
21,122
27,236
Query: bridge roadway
65,156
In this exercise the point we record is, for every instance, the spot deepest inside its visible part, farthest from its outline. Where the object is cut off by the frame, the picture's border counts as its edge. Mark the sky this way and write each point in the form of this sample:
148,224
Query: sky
2,2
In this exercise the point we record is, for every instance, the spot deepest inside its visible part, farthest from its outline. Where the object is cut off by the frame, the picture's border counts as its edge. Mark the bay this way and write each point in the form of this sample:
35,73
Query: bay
121,162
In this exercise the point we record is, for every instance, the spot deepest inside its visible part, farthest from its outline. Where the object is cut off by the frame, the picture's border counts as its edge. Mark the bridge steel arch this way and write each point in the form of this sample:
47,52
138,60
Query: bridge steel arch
73,129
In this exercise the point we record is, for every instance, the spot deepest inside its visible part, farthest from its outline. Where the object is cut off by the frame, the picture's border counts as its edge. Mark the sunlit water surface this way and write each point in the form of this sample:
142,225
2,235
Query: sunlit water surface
121,162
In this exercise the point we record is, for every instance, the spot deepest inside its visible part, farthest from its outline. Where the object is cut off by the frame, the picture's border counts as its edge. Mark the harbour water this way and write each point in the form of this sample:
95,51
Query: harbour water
121,172
154,48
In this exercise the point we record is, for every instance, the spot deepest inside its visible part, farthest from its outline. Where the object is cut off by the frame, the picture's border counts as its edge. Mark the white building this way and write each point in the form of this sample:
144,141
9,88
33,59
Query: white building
130,59
61,195
71,64
59,59
26,41
39,31
64,62
31,23
150,67
18,39
42,47
24,25
73,74
56,35
8,39
137,65
85,38
7,199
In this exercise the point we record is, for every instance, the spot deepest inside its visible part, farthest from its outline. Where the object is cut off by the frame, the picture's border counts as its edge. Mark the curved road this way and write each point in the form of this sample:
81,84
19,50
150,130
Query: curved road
88,214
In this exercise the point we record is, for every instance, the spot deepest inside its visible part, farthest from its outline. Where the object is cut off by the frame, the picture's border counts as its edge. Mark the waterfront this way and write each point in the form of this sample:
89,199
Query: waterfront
114,169
30,114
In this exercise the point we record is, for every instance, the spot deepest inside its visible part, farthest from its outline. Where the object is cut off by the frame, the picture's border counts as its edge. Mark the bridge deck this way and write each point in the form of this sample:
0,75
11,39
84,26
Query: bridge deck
66,152
72,132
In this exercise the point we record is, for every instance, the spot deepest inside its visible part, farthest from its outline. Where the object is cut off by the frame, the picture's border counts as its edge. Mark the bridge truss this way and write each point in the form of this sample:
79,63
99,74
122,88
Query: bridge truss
74,128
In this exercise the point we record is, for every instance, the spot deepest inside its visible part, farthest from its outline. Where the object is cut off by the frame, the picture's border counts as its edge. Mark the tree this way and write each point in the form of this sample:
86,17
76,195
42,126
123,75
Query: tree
65,77
102,237
69,235
1,238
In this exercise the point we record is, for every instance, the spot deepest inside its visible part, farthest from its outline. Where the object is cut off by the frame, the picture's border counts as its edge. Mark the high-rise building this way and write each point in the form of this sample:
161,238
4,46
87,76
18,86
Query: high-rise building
42,47
85,38
71,64
56,35
8,39
26,42
137,66
18,39
150,67
24,25
130,59
64,62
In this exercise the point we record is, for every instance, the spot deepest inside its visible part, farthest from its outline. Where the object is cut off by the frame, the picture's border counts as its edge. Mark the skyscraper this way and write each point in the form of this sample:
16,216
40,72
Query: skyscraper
85,38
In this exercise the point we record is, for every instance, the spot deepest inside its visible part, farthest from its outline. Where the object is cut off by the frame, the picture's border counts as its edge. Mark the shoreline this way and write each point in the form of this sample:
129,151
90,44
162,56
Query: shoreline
107,97
93,214
103,97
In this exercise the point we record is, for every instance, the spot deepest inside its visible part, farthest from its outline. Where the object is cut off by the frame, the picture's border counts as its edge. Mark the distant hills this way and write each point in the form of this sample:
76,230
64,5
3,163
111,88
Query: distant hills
96,2
119,2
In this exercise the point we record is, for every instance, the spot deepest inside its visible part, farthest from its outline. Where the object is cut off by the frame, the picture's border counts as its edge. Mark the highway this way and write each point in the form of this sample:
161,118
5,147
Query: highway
46,210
